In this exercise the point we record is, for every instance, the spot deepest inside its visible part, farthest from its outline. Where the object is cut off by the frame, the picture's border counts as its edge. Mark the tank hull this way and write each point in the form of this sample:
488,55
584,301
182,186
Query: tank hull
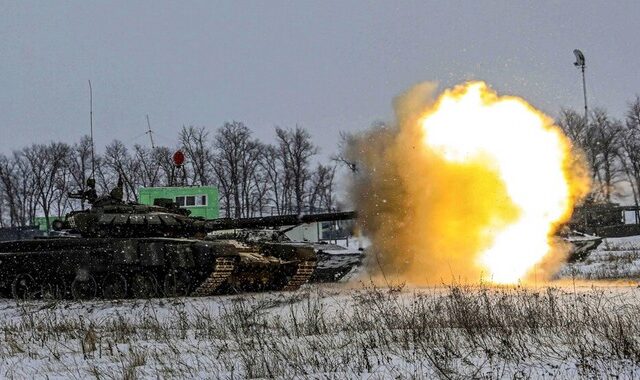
111,268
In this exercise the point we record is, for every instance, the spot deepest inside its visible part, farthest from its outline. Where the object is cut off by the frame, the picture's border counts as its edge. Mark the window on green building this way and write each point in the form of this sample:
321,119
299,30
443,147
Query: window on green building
192,201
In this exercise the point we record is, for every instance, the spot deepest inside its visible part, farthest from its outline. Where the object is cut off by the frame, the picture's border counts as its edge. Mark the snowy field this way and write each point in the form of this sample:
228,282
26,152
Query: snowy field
614,259
332,332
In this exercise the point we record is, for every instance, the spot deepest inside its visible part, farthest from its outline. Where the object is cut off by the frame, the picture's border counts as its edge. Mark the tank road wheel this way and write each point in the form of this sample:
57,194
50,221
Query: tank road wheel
144,285
114,286
84,287
176,284
50,291
24,287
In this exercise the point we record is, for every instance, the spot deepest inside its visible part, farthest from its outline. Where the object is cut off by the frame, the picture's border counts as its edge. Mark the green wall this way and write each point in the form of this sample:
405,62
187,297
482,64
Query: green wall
41,222
209,211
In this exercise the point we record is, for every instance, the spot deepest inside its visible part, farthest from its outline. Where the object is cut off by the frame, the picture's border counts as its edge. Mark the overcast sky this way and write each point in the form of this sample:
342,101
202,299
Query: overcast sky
327,66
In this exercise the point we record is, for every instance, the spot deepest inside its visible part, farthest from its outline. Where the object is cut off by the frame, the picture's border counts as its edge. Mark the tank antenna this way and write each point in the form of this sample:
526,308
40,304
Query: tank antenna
150,133
93,157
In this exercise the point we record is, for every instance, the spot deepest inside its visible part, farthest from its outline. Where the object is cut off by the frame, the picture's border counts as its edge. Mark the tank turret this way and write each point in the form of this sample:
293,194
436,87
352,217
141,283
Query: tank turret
110,216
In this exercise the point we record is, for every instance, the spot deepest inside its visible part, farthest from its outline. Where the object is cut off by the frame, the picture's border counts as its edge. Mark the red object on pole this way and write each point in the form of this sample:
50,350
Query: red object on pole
178,158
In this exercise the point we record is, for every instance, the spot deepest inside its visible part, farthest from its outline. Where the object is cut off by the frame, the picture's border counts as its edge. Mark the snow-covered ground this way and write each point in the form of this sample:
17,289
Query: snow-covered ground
330,331
614,259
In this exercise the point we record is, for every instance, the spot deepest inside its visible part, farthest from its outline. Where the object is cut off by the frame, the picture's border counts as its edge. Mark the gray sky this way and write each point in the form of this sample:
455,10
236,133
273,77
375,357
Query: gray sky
328,66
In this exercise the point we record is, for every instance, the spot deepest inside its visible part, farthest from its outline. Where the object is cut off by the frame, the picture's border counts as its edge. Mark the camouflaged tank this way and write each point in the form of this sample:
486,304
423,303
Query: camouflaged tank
117,250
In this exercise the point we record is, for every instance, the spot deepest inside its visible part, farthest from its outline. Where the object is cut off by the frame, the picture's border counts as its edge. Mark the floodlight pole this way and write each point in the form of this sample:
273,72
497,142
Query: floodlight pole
581,63
584,92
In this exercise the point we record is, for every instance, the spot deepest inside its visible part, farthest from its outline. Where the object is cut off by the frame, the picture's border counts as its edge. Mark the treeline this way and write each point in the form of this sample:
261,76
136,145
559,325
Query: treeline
611,147
254,178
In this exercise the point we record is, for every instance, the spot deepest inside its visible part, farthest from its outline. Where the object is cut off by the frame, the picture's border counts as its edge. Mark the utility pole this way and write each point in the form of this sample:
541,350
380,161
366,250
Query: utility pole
150,133
580,63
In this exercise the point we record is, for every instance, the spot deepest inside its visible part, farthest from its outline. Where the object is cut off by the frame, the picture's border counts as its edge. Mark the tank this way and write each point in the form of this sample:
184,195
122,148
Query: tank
118,249
581,244
334,262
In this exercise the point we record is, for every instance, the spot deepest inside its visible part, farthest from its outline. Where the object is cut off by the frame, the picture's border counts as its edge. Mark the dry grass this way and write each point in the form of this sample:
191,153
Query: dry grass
449,332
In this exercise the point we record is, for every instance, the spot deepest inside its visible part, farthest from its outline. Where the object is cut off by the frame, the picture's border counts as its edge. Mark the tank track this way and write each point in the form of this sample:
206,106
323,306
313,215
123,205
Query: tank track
222,270
304,271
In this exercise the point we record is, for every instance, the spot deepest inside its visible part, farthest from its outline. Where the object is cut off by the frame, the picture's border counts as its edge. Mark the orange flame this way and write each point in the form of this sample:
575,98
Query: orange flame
524,164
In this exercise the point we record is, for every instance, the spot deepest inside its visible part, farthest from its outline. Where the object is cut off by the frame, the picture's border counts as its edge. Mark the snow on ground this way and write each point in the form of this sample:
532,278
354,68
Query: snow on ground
615,258
330,332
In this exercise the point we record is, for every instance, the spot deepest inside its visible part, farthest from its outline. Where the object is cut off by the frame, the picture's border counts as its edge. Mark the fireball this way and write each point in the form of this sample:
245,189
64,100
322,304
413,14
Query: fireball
526,161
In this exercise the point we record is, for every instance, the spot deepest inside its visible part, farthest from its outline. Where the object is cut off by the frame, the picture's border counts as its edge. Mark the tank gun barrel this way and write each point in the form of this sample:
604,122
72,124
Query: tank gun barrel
277,220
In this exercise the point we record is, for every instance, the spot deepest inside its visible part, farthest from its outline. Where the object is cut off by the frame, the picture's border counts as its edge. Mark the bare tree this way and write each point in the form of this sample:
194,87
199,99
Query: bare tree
10,189
121,165
221,171
149,169
46,163
273,169
249,172
26,189
633,114
63,184
261,188
78,164
3,219
168,171
586,141
347,140
321,188
327,199
608,136
297,148
630,147
235,163
105,176
195,142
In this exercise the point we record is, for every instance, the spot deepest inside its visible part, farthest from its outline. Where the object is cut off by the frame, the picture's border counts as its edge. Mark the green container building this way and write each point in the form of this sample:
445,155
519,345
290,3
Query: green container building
200,200
41,222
